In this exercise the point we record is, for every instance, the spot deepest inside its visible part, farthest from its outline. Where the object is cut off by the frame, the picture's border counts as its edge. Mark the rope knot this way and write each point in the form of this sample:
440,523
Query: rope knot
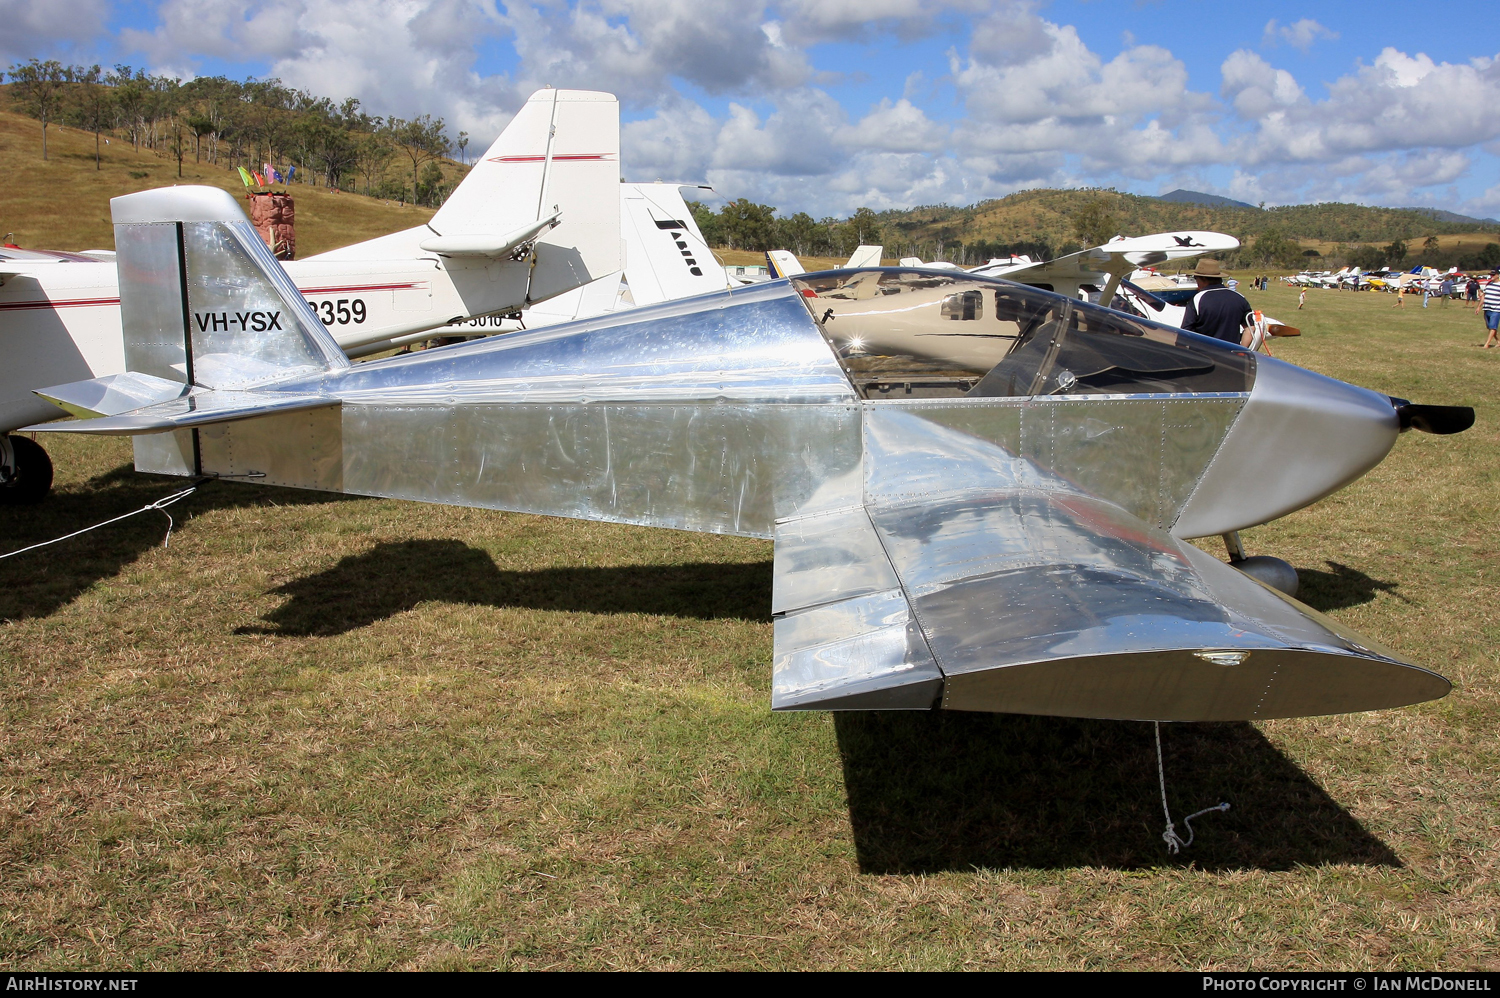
1176,843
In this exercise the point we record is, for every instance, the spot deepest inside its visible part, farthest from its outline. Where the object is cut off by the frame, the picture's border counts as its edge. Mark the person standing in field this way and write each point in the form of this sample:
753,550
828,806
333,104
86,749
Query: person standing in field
1302,299
1216,310
1400,296
1489,304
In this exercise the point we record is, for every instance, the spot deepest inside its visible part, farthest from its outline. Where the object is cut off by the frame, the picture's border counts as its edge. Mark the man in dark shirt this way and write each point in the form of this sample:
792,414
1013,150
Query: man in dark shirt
1215,310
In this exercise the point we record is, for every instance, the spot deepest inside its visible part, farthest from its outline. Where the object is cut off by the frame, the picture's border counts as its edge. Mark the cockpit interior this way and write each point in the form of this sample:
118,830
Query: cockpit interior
925,334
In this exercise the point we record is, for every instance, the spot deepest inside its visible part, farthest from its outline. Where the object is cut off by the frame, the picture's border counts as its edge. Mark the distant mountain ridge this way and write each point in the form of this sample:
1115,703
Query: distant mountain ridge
1181,196
1443,215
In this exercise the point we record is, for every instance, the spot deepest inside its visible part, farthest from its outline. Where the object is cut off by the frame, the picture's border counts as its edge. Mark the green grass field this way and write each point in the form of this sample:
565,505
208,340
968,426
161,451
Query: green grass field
317,732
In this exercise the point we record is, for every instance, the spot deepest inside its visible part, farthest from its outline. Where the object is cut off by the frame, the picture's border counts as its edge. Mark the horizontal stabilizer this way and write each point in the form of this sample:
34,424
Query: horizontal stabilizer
113,395
198,409
485,244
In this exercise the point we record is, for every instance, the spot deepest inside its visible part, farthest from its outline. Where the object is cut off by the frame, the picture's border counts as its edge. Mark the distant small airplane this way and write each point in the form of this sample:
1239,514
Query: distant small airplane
537,216
784,263
979,491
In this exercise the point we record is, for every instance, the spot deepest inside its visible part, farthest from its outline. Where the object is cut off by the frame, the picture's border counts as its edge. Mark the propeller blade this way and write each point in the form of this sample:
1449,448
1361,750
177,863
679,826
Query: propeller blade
1441,419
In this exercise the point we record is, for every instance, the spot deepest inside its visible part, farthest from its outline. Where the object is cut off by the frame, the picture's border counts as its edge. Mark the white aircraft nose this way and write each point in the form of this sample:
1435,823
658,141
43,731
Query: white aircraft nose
1300,437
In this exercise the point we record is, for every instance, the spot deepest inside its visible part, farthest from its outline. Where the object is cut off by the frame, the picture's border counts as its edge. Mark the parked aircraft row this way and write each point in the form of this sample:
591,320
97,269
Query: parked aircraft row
1120,274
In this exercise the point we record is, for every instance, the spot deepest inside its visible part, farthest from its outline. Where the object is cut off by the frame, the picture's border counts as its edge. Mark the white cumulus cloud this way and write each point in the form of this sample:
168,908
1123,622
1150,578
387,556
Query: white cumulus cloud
1300,34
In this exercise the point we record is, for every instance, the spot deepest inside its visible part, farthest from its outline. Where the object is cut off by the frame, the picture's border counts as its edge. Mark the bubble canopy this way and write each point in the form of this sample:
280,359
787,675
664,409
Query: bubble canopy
903,333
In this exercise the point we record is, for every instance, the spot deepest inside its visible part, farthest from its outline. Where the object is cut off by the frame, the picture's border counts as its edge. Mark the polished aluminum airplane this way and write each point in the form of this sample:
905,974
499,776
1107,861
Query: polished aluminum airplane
537,216
980,492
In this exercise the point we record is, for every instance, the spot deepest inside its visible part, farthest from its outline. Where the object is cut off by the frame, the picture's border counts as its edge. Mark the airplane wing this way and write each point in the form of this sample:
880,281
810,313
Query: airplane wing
1118,258
1022,594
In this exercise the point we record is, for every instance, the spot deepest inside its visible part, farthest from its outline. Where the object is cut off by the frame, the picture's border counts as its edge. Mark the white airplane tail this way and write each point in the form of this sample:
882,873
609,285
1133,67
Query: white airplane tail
865,256
783,263
550,184
666,256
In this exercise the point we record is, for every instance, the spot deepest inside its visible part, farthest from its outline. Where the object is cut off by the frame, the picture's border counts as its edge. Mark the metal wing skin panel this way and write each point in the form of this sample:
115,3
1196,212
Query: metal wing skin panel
1035,597
865,653
718,468
822,559
759,344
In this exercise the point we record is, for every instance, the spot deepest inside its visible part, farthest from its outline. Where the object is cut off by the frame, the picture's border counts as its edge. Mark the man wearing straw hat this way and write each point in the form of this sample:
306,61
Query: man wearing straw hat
1215,310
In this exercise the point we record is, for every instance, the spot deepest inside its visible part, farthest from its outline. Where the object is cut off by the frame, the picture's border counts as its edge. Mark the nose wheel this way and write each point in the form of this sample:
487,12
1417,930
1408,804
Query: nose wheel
25,471
1274,572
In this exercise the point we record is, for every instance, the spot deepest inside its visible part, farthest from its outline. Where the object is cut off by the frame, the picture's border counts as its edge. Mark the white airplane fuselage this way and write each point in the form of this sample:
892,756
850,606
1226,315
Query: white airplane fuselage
60,321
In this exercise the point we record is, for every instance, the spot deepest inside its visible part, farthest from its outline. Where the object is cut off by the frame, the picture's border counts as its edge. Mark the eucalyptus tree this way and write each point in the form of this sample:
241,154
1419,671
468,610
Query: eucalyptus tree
94,106
39,88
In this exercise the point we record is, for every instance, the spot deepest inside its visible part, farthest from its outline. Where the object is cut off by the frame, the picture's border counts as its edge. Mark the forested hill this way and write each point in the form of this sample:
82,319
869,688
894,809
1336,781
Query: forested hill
1049,223
1050,216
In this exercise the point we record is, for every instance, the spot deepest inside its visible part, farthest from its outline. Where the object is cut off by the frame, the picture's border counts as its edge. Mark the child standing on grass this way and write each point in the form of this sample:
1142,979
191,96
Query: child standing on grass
1489,304
1302,299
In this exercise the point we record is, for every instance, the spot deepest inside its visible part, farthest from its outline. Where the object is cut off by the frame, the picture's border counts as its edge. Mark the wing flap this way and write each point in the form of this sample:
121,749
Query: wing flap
845,636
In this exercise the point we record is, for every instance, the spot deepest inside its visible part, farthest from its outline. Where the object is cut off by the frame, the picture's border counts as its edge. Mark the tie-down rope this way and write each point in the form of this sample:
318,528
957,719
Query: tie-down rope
1174,841
160,506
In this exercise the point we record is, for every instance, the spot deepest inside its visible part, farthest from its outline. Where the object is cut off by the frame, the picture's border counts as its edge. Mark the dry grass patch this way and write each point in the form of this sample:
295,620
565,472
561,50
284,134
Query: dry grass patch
62,203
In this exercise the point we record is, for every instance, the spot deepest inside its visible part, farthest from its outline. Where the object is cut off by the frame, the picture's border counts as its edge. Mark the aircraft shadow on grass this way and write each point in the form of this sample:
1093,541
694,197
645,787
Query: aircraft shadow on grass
935,791
927,791
39,583
1340,587
394,577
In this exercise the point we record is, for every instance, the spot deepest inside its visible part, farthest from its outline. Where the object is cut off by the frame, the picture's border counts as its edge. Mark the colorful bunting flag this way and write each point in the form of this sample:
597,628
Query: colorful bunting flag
290,172
244,175
259,180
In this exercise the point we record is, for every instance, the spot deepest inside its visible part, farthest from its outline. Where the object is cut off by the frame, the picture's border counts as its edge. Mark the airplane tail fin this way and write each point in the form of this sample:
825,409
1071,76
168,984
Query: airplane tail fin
552,179
214,330
202,300
550,182
666,256
865,256
783,263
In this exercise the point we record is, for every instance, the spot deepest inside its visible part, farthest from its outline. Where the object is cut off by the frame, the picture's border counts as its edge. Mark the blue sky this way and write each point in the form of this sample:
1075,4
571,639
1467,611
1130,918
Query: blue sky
825,105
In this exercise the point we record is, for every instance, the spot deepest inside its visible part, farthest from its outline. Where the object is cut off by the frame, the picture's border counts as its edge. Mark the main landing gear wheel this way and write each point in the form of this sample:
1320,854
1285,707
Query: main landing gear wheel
1273,572
25,471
